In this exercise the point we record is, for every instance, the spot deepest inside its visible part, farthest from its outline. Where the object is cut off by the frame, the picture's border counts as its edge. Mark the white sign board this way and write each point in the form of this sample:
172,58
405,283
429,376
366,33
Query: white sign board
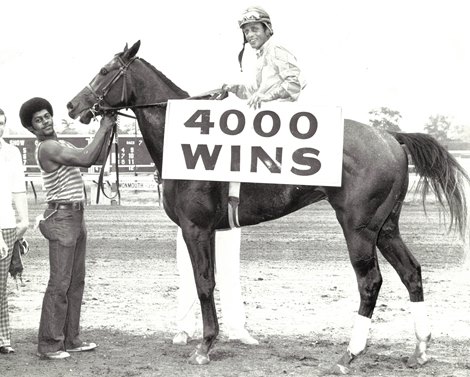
283,142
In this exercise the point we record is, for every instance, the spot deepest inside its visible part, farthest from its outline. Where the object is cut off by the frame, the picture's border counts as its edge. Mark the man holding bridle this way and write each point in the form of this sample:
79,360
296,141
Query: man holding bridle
63,225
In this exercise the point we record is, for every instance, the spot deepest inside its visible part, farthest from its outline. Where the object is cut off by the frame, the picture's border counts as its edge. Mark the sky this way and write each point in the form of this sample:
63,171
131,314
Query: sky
409,56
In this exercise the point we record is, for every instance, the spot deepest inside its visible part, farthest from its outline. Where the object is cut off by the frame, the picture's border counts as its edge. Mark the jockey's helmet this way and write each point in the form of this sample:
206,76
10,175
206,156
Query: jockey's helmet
255,14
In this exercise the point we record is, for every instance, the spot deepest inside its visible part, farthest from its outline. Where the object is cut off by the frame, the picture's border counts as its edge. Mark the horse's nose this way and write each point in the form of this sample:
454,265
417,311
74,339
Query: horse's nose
70,106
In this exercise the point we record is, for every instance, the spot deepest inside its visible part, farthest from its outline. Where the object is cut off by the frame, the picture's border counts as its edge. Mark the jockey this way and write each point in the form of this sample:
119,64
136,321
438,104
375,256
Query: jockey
277,75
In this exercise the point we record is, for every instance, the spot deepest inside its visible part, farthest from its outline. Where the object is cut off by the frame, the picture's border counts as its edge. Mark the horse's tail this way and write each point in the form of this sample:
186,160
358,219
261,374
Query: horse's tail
440,172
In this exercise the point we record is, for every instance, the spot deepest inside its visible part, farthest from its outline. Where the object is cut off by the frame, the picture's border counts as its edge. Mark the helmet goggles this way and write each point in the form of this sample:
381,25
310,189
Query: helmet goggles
254,16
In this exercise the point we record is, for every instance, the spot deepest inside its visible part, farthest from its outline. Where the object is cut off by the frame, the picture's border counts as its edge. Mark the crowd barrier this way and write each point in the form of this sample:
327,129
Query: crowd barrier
127,183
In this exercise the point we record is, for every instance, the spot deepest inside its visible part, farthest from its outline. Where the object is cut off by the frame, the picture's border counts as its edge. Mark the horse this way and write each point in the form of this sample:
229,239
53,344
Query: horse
368,203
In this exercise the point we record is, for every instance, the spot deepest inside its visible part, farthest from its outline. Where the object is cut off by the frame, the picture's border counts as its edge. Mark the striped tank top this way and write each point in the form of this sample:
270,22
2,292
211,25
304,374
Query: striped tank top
64,184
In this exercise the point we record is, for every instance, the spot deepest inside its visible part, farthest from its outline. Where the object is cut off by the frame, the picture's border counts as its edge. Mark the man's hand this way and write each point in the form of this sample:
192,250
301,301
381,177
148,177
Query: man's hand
108,120
21,229
230,88
256,99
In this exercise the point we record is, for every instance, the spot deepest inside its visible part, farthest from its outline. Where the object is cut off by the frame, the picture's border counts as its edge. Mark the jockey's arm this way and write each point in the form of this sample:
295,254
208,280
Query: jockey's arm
289,85
238,89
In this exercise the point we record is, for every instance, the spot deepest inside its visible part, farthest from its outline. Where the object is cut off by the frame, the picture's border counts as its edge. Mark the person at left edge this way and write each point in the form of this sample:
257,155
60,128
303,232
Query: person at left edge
63,225
12,191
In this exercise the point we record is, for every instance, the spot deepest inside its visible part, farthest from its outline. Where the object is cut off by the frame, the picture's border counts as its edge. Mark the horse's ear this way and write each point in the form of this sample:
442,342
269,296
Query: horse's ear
135,48
125,48
131,52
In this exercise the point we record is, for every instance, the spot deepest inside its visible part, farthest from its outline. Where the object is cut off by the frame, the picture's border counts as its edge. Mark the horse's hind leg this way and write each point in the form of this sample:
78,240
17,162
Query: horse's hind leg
399,256
362,252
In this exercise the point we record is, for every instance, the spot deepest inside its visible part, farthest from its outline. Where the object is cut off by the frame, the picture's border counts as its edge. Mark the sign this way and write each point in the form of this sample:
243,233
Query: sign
133,154
27,147
283,142
143,182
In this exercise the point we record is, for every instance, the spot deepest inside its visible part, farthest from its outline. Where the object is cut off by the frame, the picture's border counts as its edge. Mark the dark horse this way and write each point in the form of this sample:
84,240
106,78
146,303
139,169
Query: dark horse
367,205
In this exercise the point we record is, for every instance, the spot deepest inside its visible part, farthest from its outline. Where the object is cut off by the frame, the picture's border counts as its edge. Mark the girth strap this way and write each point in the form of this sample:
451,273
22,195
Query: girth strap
233,202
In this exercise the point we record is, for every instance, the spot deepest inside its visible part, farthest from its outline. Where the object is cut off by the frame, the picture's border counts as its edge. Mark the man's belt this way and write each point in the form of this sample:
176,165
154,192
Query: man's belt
71,206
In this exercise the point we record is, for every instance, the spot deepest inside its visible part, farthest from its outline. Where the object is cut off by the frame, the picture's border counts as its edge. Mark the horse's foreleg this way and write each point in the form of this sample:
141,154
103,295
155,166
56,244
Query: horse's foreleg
201,250
200,355
364,260
409,270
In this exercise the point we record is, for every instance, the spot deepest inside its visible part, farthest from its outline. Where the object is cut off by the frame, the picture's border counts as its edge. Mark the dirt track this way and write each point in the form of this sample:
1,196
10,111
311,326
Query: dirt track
300,294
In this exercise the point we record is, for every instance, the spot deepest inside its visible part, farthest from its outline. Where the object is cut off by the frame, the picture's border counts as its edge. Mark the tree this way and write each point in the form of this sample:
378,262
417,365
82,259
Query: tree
67,127
459,132
438,127
385,119
127,127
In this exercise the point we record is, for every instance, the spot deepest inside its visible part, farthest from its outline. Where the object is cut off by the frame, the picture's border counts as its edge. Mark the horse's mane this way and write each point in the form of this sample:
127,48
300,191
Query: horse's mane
166,80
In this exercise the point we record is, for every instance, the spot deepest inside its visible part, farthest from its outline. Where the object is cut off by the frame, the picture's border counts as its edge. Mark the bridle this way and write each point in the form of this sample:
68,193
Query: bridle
102,106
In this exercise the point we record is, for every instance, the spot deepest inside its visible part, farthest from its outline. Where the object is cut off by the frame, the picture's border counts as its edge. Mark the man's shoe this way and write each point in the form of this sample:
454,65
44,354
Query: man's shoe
54,355
245,338
7,349
181,338
83,347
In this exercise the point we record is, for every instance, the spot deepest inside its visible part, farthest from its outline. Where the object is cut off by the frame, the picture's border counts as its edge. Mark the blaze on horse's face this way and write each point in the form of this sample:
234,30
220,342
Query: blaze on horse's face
104,90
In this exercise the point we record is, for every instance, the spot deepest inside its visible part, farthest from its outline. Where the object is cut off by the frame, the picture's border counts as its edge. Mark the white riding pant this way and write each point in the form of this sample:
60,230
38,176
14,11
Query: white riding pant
227,269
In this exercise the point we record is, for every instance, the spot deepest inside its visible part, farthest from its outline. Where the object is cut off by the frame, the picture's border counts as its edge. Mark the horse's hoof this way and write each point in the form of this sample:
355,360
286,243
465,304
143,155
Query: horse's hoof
339,369
419,357
198,358
417,361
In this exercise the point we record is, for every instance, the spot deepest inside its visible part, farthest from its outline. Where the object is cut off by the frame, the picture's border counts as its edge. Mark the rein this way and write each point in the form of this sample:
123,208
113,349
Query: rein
209,94
112,140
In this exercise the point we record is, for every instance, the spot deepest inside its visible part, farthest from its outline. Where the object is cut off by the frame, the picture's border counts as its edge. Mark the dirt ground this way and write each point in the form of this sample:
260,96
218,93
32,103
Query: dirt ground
300,297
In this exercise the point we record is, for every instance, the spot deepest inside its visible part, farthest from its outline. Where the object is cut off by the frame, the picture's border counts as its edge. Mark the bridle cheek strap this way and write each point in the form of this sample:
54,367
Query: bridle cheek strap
124,87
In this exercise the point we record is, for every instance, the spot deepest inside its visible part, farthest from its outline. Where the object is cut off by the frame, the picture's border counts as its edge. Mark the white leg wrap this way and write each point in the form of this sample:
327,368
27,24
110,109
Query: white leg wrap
359,335
423,333
421,321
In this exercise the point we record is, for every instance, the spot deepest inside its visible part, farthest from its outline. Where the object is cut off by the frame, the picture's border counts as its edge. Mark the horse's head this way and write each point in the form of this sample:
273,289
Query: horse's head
110,88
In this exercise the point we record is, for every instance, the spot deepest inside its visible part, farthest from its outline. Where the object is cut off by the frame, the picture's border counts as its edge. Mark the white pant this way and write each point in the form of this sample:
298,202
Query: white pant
227,268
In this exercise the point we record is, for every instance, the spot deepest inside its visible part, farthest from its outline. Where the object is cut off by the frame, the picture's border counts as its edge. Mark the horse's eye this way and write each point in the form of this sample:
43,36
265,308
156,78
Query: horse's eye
103,71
